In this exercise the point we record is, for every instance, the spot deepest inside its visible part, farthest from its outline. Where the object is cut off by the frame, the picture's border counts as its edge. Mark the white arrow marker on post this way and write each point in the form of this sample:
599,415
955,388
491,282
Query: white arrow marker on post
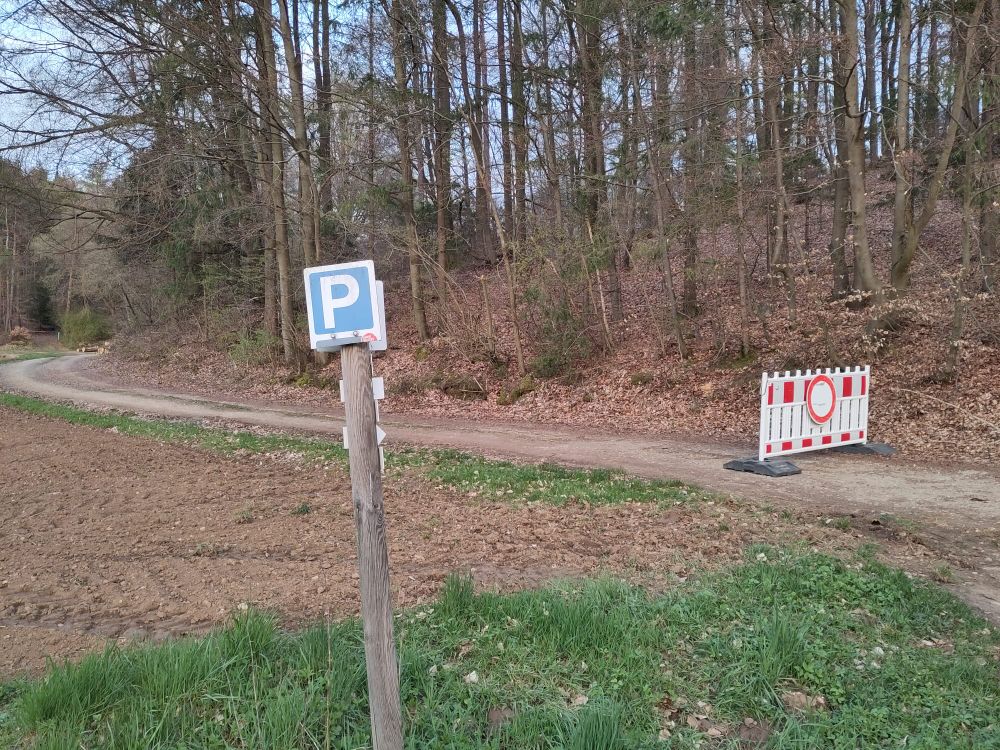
378,389
379,436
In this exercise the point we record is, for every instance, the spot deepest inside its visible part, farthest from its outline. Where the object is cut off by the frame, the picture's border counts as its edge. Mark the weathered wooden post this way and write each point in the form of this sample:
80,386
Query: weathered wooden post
346,312
373,551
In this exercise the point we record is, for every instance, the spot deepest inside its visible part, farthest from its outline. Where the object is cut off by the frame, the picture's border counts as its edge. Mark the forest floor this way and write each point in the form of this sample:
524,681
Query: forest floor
640,386
950,512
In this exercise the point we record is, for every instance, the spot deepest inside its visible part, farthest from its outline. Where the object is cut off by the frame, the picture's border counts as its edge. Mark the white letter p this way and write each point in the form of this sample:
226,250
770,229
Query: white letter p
330,302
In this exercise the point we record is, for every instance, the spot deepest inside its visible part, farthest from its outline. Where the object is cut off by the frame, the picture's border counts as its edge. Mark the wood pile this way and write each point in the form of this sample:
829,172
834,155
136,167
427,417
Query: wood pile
96,348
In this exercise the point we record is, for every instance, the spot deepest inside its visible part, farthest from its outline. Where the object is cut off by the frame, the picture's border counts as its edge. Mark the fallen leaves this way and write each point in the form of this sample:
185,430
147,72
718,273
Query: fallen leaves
712,393
946,647
497,717
754,732
709,727
800,702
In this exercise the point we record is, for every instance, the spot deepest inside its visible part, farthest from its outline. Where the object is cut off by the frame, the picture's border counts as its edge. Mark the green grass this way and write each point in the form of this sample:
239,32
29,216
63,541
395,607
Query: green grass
10,355
892,522
209,438
488,479
855,634
547,482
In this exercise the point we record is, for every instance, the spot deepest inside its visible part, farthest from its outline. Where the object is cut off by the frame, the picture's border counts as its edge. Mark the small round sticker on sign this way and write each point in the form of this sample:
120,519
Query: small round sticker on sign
821,399
369,337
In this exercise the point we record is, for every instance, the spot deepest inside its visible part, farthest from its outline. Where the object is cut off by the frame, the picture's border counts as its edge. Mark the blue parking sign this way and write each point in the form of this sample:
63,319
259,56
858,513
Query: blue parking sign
342,302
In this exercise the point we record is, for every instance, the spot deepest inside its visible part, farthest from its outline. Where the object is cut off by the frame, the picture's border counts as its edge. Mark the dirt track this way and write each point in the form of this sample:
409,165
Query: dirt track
956,509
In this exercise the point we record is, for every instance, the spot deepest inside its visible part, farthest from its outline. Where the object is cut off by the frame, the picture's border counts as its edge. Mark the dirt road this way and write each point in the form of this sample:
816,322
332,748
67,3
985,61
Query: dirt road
955,509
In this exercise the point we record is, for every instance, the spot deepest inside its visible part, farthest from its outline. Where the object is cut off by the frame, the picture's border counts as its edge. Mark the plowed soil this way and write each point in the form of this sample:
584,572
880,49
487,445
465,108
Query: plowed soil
104,536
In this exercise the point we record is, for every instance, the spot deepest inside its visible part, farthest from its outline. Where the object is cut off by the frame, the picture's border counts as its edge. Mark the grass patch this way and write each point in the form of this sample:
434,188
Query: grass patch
490,479
549,483
892,522
943,574
12,356
841,523
593,666
222,441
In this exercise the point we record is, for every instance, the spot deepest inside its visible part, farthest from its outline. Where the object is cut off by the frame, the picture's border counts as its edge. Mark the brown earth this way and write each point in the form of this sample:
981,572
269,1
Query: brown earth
954,508
107,537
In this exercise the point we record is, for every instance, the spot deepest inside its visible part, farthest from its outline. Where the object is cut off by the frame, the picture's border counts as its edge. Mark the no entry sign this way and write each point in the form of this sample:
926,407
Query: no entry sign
821,399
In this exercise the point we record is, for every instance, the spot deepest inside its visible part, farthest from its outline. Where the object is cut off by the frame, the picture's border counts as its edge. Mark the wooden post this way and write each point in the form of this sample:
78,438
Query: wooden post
373,552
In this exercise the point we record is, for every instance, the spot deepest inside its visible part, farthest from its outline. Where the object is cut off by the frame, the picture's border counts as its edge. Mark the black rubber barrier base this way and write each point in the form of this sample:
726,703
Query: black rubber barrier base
866,449
769,467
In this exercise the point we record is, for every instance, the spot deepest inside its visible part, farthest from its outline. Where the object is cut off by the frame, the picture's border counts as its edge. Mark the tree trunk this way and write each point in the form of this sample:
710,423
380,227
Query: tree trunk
307,184
692,154
321,63
504,104
480,102
442,143
902,224
908,249
812,85
989,179
871,103
662,204
372,134
587,20
548,128
864,269
888,51
404,138
520,110
931,109
773,54
270,124
841,218
958,312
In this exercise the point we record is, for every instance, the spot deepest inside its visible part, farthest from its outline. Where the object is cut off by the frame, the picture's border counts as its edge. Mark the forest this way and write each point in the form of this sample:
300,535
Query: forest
539,182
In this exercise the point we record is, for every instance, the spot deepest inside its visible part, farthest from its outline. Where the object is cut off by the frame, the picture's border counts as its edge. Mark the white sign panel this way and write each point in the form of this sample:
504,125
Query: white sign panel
381,344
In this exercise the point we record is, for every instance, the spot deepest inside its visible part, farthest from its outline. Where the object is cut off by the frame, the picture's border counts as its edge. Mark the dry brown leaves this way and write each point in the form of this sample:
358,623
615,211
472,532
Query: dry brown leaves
638,387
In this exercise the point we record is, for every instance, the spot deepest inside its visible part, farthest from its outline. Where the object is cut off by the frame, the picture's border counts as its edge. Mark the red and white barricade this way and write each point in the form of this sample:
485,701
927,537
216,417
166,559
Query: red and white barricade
813,410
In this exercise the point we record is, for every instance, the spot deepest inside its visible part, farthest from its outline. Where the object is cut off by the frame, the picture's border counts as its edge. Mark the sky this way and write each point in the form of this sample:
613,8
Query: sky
33,50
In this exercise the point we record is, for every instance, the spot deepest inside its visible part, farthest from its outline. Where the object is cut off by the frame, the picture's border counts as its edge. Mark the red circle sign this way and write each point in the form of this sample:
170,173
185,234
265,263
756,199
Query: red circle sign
821,399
